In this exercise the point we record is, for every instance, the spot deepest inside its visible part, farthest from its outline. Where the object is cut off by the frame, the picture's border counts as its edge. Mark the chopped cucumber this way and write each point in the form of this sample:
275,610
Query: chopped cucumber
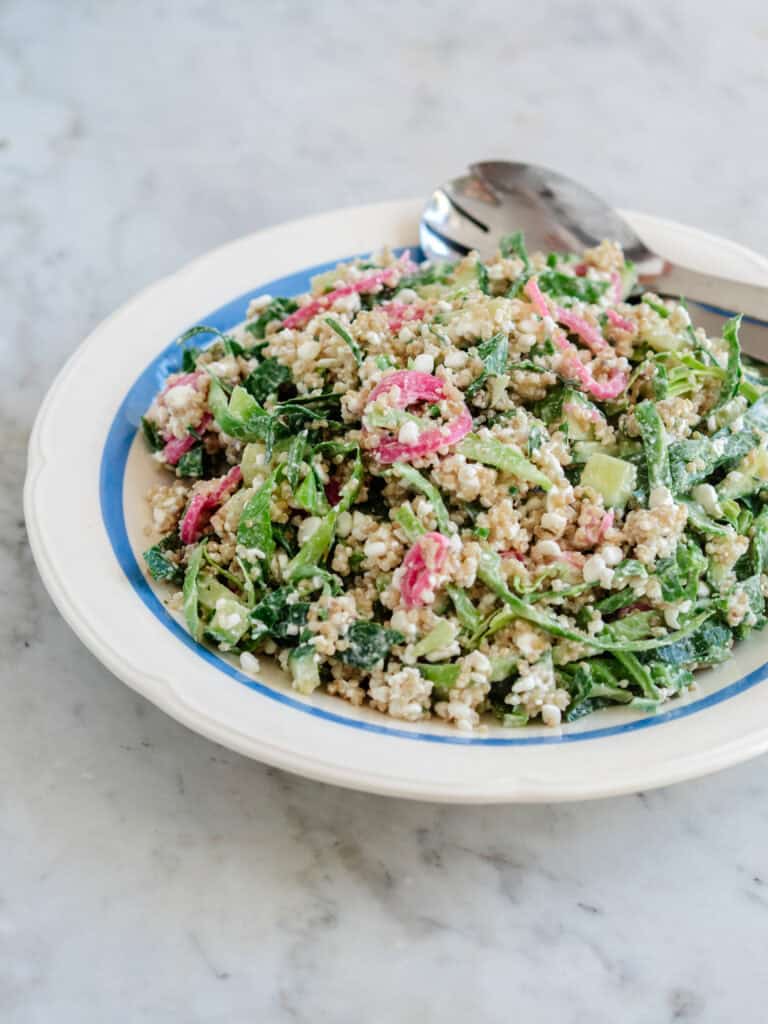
442,676
324,282
210,591
241,403
661,338
613,478
583,450
577,429
628,274
502,667
253,462
304,671
442,636
750,476
231,621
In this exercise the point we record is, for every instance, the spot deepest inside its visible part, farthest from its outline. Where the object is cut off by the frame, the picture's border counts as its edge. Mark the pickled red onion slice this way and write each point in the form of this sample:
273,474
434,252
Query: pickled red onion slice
364,284
414,386
178,446
203,505
425,558
621,322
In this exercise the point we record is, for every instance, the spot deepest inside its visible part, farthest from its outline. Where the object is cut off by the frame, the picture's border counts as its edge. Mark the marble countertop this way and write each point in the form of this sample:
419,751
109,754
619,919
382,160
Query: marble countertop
145,873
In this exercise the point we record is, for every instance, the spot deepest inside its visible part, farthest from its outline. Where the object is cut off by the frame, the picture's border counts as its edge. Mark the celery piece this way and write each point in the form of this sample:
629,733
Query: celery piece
506,457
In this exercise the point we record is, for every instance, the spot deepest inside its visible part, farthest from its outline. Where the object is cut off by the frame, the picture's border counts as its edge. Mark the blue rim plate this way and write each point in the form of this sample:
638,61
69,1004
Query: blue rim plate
104,593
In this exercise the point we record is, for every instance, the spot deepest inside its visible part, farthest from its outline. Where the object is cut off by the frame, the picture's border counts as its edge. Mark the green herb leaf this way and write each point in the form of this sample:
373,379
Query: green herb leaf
368,643
191,462
310,495
255,527
160,567
278,309
506,457
732,380
560,285
654,445
346,337
482,277
189,359
190,592
152,434
515,244
280,614
493,354
695,459
292,464
414,479
266,379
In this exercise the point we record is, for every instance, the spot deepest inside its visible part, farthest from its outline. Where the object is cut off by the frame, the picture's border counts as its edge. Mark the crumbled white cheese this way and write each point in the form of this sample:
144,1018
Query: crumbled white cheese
249,663
706,495
554,522
660,496
548,549
408,433
424,363
179,397
551,715
308,527
596,571
611,554
375,548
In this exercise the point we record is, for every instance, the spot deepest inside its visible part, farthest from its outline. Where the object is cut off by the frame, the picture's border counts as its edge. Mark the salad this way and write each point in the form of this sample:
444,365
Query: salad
520,489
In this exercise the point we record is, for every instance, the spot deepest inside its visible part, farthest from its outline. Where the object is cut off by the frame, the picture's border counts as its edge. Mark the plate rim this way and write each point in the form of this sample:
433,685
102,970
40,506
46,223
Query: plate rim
313,766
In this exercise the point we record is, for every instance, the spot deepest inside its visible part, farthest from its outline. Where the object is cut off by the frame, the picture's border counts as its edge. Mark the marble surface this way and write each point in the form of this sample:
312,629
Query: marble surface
146,874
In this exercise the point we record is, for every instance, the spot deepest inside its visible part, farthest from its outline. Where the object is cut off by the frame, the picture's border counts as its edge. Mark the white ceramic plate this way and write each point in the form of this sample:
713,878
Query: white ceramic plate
84,502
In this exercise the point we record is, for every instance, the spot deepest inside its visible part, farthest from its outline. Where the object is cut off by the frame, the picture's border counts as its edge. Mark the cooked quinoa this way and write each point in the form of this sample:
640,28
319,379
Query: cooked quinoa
520,488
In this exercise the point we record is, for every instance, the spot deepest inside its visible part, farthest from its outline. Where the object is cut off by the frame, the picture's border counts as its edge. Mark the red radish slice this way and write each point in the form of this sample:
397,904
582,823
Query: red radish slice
204,504
621,322
636,606
533,292
365,284
603,391
414,386
399,313
618,285
511,553
605,524
389,450
573,558
425,558
178,446
333,491
590,335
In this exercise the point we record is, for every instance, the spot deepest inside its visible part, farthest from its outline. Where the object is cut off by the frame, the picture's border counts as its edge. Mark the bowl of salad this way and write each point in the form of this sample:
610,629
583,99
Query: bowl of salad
484,530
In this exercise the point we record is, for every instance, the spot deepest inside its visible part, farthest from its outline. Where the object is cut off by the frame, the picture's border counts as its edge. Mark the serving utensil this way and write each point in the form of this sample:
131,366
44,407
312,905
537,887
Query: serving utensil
556,213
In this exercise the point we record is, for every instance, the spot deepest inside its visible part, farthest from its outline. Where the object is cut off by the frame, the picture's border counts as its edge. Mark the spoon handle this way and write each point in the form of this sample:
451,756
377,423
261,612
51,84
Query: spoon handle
709,289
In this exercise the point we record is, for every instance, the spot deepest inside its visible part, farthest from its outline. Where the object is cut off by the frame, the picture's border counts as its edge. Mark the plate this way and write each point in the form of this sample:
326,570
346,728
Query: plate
84,504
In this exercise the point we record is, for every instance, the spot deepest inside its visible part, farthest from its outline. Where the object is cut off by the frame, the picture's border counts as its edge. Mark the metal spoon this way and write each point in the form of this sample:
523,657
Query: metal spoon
558,214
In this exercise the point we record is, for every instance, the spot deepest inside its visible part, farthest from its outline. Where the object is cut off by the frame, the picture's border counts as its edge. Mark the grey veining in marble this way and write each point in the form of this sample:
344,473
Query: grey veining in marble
146,874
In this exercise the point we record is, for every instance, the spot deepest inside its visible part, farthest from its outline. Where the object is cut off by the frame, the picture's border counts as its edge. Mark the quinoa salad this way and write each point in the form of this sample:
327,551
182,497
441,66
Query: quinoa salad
513,491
